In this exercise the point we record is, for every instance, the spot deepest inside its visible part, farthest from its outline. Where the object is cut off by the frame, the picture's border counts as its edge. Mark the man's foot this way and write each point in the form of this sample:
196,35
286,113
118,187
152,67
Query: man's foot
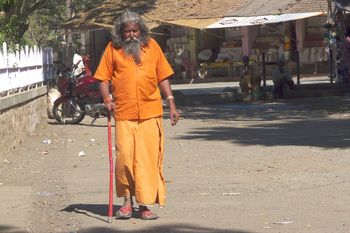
125,211
147,214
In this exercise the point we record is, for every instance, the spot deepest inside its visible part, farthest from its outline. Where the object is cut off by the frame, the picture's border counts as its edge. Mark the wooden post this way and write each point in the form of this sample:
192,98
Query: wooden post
264,69
298,67
68,36
193,51
331,67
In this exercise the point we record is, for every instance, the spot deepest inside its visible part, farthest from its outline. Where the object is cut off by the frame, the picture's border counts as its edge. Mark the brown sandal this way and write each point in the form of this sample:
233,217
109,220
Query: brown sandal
147,214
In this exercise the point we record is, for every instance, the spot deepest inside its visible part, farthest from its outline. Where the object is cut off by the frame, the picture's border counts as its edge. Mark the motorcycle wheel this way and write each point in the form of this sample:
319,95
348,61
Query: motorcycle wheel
68,111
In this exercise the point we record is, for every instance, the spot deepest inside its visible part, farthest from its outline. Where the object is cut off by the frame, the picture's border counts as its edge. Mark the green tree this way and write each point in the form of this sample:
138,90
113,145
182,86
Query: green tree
37,21
45,27
14,18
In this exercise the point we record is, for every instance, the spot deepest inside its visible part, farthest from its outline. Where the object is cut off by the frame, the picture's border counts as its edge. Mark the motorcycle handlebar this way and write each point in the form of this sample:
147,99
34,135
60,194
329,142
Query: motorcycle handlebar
76,65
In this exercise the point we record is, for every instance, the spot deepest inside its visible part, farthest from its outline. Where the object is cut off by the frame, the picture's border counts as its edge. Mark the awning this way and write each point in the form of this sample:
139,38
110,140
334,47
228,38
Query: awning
191,23
228,22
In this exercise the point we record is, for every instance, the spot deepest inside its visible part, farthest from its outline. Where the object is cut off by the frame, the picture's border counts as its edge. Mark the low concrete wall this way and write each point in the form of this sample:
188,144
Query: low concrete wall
19,115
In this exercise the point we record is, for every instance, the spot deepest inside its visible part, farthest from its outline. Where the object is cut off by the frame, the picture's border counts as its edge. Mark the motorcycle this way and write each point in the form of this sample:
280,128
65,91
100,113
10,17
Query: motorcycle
80,96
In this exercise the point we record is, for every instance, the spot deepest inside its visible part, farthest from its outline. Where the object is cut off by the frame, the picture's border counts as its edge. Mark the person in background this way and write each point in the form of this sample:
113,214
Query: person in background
282,79
137,69
246,77
249,81
346,55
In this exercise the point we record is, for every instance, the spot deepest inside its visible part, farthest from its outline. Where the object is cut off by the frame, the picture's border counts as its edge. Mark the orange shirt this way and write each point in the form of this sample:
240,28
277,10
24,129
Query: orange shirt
135,86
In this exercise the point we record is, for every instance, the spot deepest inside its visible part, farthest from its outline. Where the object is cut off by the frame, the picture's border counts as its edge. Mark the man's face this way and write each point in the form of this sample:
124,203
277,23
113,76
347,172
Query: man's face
131,31
132,43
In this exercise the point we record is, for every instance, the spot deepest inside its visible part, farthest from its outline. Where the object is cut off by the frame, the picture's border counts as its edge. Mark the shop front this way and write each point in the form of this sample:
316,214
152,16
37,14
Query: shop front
216,50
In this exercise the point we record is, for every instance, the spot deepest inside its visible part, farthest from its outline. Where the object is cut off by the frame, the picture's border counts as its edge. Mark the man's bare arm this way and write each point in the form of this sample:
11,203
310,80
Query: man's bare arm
168,94
104,90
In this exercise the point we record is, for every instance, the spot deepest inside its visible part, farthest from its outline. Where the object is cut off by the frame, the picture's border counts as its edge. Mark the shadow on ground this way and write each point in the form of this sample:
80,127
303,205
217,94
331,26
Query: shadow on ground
288,123
170,228
10,229
318,133
267,111
99,211
173,228
101,124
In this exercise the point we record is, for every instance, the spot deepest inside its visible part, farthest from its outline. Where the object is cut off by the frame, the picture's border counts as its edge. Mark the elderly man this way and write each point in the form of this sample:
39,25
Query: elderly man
137,69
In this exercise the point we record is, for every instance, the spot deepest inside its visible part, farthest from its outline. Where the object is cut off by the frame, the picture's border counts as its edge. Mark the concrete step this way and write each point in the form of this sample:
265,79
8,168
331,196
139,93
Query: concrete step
319,90
217,95
199,97
322,86
318,93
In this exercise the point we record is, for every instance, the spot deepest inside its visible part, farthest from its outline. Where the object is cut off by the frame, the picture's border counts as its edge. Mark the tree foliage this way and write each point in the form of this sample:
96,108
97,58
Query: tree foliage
36,21
14,18
45,26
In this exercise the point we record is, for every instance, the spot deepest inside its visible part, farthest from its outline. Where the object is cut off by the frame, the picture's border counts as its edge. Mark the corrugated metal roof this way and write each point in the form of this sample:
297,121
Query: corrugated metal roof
190,13
276,7
159,10
104,15
191,9
304,6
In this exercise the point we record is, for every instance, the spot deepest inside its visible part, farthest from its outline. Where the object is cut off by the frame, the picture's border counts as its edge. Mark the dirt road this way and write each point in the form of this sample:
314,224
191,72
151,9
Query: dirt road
242,167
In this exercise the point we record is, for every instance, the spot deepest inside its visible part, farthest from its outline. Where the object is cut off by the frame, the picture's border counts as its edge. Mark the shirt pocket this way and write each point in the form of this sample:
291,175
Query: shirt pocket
148,84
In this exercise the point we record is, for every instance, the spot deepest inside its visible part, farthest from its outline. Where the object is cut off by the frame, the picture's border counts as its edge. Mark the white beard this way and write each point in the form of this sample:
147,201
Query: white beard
133,47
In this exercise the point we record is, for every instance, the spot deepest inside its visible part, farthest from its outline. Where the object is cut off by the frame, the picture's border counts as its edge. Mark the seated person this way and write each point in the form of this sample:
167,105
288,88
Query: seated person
282,79
250,81
245,81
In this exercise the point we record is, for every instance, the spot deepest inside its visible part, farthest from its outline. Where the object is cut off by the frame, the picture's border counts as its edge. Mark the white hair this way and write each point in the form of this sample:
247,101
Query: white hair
118,29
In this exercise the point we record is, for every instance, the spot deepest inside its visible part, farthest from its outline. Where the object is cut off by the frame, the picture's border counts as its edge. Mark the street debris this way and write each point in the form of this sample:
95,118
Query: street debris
82,154
6,161
231,194
44,194
47,141
43,153
284,222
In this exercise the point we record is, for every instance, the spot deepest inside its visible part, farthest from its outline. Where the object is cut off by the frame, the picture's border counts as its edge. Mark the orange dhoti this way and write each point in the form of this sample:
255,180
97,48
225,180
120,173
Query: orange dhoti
139,169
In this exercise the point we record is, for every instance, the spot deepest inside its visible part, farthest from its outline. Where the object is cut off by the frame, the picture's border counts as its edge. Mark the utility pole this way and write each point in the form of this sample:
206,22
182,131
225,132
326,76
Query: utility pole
331,41
69,42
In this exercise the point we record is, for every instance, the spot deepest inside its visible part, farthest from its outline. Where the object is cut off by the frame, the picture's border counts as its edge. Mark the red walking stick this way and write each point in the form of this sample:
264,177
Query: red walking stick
111,165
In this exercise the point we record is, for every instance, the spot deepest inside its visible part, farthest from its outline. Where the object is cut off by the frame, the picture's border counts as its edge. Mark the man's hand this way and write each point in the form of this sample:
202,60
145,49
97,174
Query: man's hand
104,90
109,104
174,116
166,90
